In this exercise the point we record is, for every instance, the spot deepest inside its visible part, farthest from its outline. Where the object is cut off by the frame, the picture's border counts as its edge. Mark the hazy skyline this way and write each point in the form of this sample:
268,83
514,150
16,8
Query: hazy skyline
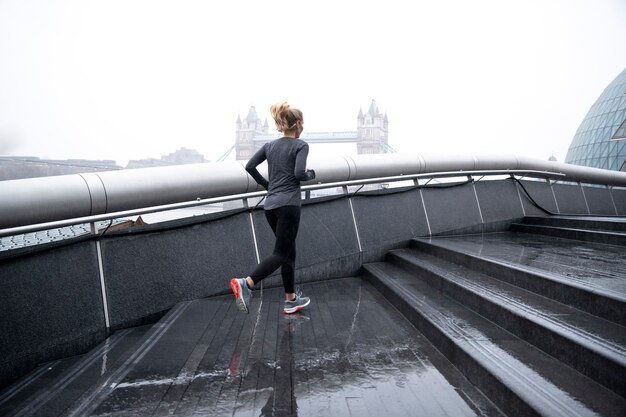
138,79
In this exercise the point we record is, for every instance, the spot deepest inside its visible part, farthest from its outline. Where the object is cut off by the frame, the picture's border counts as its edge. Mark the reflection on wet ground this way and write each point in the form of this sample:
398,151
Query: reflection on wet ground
350,354
591,264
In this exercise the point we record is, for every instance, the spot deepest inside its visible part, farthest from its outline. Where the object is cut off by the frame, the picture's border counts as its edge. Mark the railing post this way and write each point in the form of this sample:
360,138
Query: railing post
584,196
256,244
356,227
430,232
554,195
612,199
482,220
519,195
105,303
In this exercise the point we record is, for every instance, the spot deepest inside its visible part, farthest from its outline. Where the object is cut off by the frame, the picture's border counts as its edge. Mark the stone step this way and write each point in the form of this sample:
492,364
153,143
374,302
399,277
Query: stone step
608,224
550,282
585,235
593,346
517,376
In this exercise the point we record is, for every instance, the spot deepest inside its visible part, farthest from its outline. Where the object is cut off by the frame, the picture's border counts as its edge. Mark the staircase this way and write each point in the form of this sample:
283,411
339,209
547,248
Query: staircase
534,317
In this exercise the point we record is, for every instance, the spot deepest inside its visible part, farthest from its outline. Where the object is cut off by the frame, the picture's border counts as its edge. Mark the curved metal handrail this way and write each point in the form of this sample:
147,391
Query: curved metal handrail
200,202
49,199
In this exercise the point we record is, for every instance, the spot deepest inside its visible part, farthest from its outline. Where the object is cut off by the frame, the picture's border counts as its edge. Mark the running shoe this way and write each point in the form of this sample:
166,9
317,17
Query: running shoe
242,293
296,305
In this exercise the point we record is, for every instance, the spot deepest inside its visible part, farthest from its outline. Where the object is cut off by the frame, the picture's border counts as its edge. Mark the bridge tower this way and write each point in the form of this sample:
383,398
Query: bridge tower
246,130
371,136
373,131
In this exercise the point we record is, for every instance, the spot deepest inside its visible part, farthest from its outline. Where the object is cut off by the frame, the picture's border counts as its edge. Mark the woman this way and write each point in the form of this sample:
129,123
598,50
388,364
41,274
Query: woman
286,160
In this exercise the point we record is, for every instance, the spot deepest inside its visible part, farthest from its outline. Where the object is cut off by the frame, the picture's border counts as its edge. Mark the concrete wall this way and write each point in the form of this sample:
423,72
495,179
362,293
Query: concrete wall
50,307
619,199
150,270
51,304
572,199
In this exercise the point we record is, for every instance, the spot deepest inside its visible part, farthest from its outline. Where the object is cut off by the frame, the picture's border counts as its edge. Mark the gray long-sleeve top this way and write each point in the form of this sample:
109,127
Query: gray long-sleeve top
286,161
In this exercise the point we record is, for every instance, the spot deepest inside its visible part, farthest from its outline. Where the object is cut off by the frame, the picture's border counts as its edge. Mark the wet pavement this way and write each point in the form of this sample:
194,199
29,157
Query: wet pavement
351,353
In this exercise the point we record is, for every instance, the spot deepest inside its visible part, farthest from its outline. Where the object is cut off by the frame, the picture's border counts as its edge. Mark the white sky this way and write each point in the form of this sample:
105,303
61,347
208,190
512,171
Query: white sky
133,79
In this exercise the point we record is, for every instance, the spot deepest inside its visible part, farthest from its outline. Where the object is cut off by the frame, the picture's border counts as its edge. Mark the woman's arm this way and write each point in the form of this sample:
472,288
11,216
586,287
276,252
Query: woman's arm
255,161
300,171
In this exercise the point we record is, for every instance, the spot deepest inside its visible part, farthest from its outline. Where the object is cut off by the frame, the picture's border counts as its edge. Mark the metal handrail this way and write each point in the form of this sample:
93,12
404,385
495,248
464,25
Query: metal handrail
450,174
201,202
30,201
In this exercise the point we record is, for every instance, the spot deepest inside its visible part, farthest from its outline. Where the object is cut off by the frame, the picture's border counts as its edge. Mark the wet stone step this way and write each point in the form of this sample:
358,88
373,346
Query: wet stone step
521,379
592,345
611,224
605,237
588,276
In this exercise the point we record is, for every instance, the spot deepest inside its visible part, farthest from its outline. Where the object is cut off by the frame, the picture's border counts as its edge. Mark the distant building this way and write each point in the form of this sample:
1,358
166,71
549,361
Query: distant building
146,163
19,167
371,136
182,156
600,140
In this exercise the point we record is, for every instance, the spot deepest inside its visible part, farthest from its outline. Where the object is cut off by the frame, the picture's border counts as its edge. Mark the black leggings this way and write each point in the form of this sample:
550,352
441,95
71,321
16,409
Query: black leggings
284,222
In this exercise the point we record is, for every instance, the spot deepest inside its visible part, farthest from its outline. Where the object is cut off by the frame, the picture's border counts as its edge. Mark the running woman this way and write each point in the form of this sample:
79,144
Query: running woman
286,160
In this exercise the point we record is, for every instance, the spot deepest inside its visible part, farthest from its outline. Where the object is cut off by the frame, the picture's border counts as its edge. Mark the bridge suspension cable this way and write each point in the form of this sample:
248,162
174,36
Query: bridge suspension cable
225,155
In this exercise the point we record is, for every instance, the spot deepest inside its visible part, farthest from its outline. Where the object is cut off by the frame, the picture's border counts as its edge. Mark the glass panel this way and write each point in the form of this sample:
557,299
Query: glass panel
621,131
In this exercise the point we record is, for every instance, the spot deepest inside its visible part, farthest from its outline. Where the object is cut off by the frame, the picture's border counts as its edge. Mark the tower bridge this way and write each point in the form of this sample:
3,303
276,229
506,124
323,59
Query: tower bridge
371,135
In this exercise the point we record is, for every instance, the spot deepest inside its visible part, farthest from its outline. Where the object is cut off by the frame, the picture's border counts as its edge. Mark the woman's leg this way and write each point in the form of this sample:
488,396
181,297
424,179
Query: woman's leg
285,222
287,272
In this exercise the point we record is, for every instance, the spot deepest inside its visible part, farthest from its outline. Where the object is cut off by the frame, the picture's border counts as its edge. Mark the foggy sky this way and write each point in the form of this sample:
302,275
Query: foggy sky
136,79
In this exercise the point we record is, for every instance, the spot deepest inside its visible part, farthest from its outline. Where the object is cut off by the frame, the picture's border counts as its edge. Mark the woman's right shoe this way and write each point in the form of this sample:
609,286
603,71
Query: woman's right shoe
296,305
242,293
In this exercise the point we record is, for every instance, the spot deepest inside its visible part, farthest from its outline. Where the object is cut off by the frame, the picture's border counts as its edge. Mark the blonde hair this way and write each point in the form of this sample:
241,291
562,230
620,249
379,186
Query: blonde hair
285,117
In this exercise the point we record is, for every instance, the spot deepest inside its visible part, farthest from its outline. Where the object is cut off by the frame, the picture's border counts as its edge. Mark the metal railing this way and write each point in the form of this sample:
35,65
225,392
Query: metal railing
257,194
42,203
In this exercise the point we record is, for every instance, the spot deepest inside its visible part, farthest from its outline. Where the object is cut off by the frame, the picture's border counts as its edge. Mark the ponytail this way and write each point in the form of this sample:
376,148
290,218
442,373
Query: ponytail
285,116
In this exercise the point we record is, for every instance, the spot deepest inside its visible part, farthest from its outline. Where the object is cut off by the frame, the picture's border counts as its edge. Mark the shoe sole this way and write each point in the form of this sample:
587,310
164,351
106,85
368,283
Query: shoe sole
295,309
236,288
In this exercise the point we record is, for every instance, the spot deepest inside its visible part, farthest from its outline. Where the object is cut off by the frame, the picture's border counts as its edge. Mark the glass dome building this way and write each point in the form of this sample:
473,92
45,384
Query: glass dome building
600,140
